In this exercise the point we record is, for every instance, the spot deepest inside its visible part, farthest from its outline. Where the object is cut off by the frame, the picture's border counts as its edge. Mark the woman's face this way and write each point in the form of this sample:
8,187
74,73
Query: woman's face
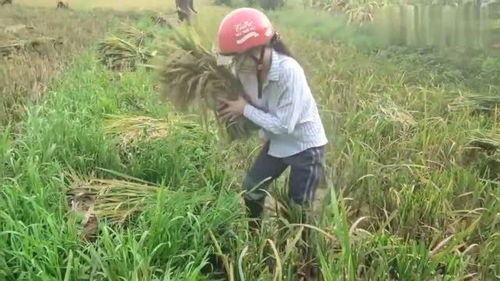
245,63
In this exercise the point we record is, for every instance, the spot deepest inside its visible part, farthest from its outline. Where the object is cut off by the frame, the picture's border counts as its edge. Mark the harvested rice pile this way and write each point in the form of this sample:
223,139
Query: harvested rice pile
111,199
133,133
477,102
115,200
126,50
131,130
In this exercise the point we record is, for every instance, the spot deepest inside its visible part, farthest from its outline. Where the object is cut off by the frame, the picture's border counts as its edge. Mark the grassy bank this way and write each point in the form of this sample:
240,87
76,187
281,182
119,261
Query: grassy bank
36,44
40,233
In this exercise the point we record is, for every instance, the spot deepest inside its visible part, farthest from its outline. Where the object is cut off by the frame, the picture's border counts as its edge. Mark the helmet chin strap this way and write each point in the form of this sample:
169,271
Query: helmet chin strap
260,69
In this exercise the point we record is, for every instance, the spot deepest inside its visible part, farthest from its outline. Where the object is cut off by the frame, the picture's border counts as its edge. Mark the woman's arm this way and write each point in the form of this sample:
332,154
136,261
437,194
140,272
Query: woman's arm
284,120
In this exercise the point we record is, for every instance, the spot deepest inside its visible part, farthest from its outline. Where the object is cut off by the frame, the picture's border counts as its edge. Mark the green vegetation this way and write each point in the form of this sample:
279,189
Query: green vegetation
264,4
100,180
36,44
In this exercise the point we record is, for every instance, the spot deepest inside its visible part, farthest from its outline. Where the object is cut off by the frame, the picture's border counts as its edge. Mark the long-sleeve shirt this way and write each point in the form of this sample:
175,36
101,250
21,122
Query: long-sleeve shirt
287,113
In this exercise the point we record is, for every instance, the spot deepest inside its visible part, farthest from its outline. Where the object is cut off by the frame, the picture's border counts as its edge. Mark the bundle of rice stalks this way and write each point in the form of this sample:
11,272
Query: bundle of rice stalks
488,142
118,201
132,130
117,53
485,153
125,53
480,103
13,46
190,73
115,200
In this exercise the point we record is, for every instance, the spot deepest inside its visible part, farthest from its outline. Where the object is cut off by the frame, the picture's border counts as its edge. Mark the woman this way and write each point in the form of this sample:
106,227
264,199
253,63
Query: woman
279,102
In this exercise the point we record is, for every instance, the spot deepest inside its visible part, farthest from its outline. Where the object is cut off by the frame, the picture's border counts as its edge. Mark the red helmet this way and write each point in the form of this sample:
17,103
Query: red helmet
243,29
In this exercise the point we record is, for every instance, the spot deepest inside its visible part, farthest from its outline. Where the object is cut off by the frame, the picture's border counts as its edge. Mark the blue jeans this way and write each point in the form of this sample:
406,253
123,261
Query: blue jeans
306,172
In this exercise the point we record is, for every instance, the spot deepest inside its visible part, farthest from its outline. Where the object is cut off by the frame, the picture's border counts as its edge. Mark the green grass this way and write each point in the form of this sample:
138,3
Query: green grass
413,189
39,238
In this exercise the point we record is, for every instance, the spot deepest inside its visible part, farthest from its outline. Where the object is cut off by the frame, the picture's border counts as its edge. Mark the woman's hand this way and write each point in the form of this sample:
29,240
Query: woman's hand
230,110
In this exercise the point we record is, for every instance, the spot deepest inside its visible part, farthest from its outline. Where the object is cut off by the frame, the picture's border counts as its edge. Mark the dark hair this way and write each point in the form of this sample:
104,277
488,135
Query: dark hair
279,46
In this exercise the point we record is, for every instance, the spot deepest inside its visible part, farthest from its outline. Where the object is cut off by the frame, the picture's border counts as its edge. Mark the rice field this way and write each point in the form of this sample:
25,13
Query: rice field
123,5
38,43
103,178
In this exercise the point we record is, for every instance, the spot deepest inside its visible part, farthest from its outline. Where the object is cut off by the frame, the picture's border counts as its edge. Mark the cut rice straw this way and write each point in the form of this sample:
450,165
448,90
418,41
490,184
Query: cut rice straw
126,50
131,130
115,200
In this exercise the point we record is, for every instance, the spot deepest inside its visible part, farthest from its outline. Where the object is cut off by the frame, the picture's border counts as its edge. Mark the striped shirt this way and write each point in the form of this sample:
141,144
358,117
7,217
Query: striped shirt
287,113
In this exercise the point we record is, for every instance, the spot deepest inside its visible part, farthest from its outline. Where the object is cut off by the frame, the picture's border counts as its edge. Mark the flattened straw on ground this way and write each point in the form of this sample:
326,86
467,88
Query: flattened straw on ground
477,102
13,46
115,200
130,130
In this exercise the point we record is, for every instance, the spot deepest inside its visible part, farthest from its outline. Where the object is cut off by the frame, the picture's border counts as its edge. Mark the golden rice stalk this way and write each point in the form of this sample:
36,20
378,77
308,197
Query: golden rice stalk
189,72
115,200
390,111
130,130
